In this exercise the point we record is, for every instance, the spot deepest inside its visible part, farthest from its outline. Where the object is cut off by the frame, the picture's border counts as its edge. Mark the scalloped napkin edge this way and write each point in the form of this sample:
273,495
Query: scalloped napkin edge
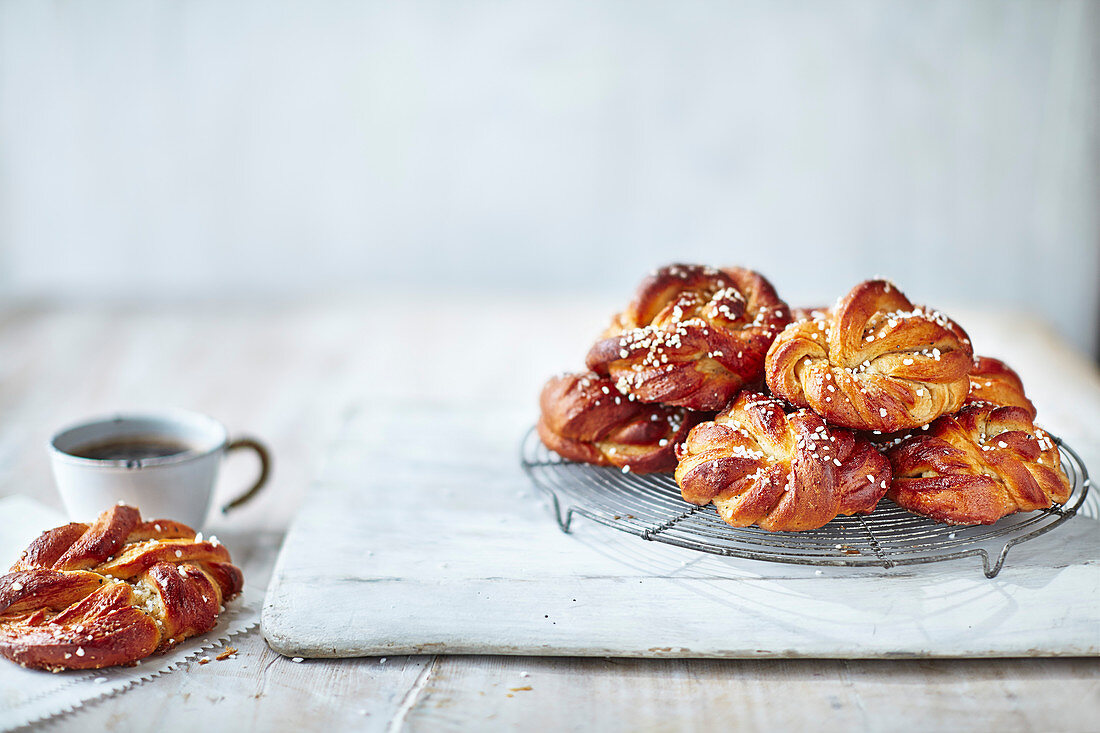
30,696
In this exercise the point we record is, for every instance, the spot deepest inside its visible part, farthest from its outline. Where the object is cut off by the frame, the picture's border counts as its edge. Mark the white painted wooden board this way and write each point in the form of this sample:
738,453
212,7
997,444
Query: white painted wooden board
424,535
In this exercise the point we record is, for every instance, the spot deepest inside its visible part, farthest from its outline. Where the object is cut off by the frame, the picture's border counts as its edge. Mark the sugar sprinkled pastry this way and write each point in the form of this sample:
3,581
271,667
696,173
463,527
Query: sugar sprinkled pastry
585,418
976,466
874,362
808,314
693,336
783,471
993,381
113,592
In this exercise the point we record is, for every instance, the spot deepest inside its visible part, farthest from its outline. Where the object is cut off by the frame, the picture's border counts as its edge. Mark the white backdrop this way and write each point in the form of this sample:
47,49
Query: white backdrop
197,150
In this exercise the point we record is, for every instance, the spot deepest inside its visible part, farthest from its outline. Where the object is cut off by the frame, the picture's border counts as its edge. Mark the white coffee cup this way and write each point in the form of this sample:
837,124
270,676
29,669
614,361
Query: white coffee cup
179,486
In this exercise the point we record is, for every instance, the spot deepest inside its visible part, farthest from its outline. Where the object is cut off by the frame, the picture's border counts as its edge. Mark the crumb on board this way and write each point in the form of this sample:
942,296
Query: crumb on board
519,689
204,660
229,652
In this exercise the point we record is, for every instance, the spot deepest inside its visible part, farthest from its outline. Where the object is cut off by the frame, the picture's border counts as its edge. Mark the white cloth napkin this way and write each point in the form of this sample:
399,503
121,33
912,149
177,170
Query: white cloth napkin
28,696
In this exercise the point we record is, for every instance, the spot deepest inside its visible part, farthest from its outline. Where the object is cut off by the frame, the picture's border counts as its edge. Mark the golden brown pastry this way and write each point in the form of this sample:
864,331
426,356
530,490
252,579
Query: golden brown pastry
808,314
874,362
693,336
992,381
585,418
91,596
781,471
977,466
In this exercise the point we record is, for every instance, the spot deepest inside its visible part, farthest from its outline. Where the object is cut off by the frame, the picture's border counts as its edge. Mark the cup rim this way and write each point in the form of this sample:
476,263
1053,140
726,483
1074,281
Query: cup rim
167,415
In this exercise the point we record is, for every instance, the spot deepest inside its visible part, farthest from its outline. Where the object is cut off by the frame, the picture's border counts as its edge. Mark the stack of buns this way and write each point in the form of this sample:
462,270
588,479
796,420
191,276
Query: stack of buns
786,418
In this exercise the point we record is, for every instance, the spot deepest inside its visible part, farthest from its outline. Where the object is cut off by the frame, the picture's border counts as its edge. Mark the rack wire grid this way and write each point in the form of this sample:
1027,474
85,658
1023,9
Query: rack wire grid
649,506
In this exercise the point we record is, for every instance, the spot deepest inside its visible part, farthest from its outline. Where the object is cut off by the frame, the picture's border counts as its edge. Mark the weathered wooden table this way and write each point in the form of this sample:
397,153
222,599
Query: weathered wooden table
287,374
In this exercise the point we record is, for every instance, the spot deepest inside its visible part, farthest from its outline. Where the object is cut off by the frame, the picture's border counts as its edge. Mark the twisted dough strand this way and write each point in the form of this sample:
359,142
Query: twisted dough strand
585,418
781,471
993,381
977,466
875,362
89,596
693,336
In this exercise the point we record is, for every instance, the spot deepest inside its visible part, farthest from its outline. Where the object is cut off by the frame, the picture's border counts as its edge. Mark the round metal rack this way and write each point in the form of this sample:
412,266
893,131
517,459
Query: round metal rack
649,506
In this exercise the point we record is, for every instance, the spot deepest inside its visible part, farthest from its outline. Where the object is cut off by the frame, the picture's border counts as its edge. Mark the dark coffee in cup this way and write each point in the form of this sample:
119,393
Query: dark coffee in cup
164,462
133,448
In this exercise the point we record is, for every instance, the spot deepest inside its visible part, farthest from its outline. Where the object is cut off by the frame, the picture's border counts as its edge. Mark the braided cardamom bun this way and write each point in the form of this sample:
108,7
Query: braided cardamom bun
977,466
993,381
781,471
693,336
875,362
585,418
113,592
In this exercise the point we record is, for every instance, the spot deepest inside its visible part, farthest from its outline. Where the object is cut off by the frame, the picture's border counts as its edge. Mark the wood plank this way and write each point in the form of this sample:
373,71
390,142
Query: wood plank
260,690
486,693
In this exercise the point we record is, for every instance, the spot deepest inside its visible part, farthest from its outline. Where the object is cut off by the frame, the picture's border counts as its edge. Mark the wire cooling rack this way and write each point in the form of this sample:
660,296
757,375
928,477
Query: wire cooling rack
650,507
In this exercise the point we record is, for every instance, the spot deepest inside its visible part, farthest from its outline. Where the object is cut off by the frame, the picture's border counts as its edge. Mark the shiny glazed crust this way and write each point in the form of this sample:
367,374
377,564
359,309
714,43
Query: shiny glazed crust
781,471
585,418
992,381
113,592
693,336
977,466
875,362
